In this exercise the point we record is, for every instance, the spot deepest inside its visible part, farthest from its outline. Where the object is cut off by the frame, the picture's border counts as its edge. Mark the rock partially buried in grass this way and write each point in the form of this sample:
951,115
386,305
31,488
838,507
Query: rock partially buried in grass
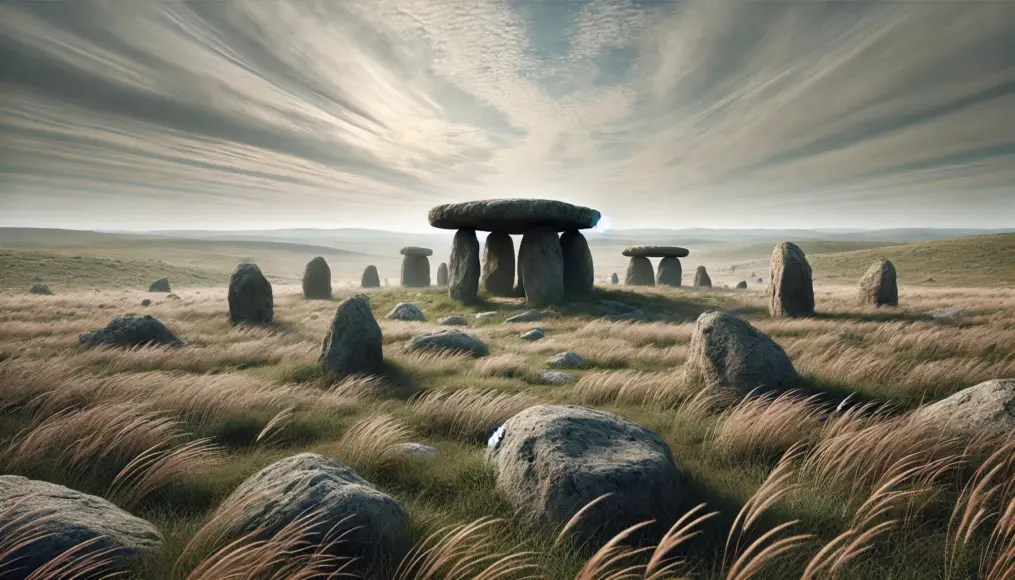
372,525
354,344
453,321
878,287
726,351
533,335
407,312
160,285
250,296
987,409
317,280
146,302
553,378
565,360
41,289
451,341
791,290
131,330
742,285
527,316
60,519
552,460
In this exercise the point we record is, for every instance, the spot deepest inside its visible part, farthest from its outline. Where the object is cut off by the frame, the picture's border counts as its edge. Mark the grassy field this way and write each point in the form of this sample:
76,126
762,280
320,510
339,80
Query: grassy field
869,495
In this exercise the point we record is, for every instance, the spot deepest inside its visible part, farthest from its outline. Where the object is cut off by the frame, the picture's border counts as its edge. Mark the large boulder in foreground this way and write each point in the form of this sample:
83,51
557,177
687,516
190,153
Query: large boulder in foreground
160,285
791,290
701,278
354,344
131,330
373,523
463,275
498,276
317,280
59,519
453,341
541,267
552,460
579,271
370,278
987,409
879,287
250,297
728,352
639,272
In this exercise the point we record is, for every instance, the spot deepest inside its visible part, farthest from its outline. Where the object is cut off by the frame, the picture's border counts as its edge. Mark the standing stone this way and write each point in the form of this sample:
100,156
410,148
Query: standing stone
579,271
370,278
442,275
614,279
41,289
541,266
669,272
415,271
160,285
353,344
878,287
499,264
639,272
317,280
250,298
791,289
728,352
701,278
463,274
742,285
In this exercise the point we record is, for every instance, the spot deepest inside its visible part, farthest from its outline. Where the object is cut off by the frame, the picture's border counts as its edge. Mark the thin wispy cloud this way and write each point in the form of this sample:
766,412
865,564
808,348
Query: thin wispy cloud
366,113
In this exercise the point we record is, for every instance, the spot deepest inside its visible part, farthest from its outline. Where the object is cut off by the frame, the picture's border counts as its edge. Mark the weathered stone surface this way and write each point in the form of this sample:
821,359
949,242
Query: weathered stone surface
463,274
41,289
553,378
552,460
614,279
791,289
701,278
160,285
372,524
987,409
656,252
417,450
726,351
449,340
354,344
499,264
442,274
879,287
579,271
407,312
565,360
513,216
250,297
416,251
370,278
415,271
317,280
669,272
61,519
532,335
527,316
639,272
131,330
742,285
541,266
455,320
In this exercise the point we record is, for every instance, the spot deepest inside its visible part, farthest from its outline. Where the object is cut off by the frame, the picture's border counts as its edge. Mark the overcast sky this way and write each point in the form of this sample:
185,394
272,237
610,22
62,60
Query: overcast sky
244,114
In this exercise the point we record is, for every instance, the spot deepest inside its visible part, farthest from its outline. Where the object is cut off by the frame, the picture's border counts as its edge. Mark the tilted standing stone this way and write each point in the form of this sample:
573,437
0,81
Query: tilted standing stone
354,344
250,297
499,264
579,271
791,289
416,267
463,275
879,287
701,278
442,274
669,273
317,280
639,272
541,266
370,278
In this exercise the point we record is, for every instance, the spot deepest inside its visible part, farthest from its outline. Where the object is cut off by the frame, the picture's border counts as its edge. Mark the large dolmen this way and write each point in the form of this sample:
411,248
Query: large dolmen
639,269
550,266
416,267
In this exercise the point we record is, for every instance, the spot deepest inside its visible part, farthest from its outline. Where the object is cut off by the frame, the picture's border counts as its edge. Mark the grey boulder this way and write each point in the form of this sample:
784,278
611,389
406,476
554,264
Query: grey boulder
455,320
250,296
701,278
41,289
527,316
407,312
532,335
160,285
449,340
565,360
370,278
987,409
879,286
553,378
354,344
131,330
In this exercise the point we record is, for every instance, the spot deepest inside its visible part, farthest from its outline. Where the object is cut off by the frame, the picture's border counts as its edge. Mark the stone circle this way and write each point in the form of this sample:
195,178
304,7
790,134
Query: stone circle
415,271
513,216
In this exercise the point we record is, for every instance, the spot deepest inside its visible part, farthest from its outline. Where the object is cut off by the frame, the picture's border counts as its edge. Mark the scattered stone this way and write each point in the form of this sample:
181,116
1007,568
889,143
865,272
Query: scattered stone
146,302
541,266
513,216
579,271
416,251
131,330
565,360
41,289
527,316
878,286
553,378
742,285
669,273
791,291
482,315
949,315
174,296
372,525
986,410
701,278
552,460
533,335
407,312
160,285
726,351
317,280
63,519
442,275
463,275
614,279
499,264
449,340
655,252
455,320
761,280
370,278
415,271
417,450
639,272
250,297
354,344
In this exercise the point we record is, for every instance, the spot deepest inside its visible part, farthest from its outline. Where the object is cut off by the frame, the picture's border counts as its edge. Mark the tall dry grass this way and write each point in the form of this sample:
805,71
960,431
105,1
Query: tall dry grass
467,414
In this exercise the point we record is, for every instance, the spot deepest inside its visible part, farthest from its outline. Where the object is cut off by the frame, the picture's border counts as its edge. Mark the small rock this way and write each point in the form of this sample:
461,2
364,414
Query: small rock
160,285
408,312
455,320
131,330
534,334
527,316
482,315
41,289
146,302
449,340
566,360
417,449
553,378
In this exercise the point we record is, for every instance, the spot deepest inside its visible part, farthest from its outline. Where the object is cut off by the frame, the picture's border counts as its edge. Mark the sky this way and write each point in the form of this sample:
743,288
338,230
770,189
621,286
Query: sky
254,114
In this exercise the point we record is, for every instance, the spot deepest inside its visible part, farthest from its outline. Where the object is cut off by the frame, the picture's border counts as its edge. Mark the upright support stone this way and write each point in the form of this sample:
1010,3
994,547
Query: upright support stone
541,266
639,272
701,278
415,271
370,278
669,272
791,289
463,274
442,275
499,264
579,271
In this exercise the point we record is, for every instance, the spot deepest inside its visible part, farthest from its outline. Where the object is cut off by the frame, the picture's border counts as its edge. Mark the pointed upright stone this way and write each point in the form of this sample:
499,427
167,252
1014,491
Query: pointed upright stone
791,289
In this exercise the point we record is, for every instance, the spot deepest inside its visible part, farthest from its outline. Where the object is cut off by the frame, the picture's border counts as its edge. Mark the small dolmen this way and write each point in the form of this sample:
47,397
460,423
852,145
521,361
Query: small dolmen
549,266
639,269
416,267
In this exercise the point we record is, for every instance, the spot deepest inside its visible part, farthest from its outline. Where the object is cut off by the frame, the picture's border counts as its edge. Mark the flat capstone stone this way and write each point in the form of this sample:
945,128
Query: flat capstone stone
656,252
513,216
416,251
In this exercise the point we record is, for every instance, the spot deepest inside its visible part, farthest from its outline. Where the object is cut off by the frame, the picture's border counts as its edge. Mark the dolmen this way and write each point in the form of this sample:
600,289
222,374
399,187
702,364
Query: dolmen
416,267
639,269
549,267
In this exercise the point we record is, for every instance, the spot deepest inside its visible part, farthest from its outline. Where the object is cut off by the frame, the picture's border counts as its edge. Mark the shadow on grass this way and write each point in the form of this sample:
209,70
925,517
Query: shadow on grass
889,315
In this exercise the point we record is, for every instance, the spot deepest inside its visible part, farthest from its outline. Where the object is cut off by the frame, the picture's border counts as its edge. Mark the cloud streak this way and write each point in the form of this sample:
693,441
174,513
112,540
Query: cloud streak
679,114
